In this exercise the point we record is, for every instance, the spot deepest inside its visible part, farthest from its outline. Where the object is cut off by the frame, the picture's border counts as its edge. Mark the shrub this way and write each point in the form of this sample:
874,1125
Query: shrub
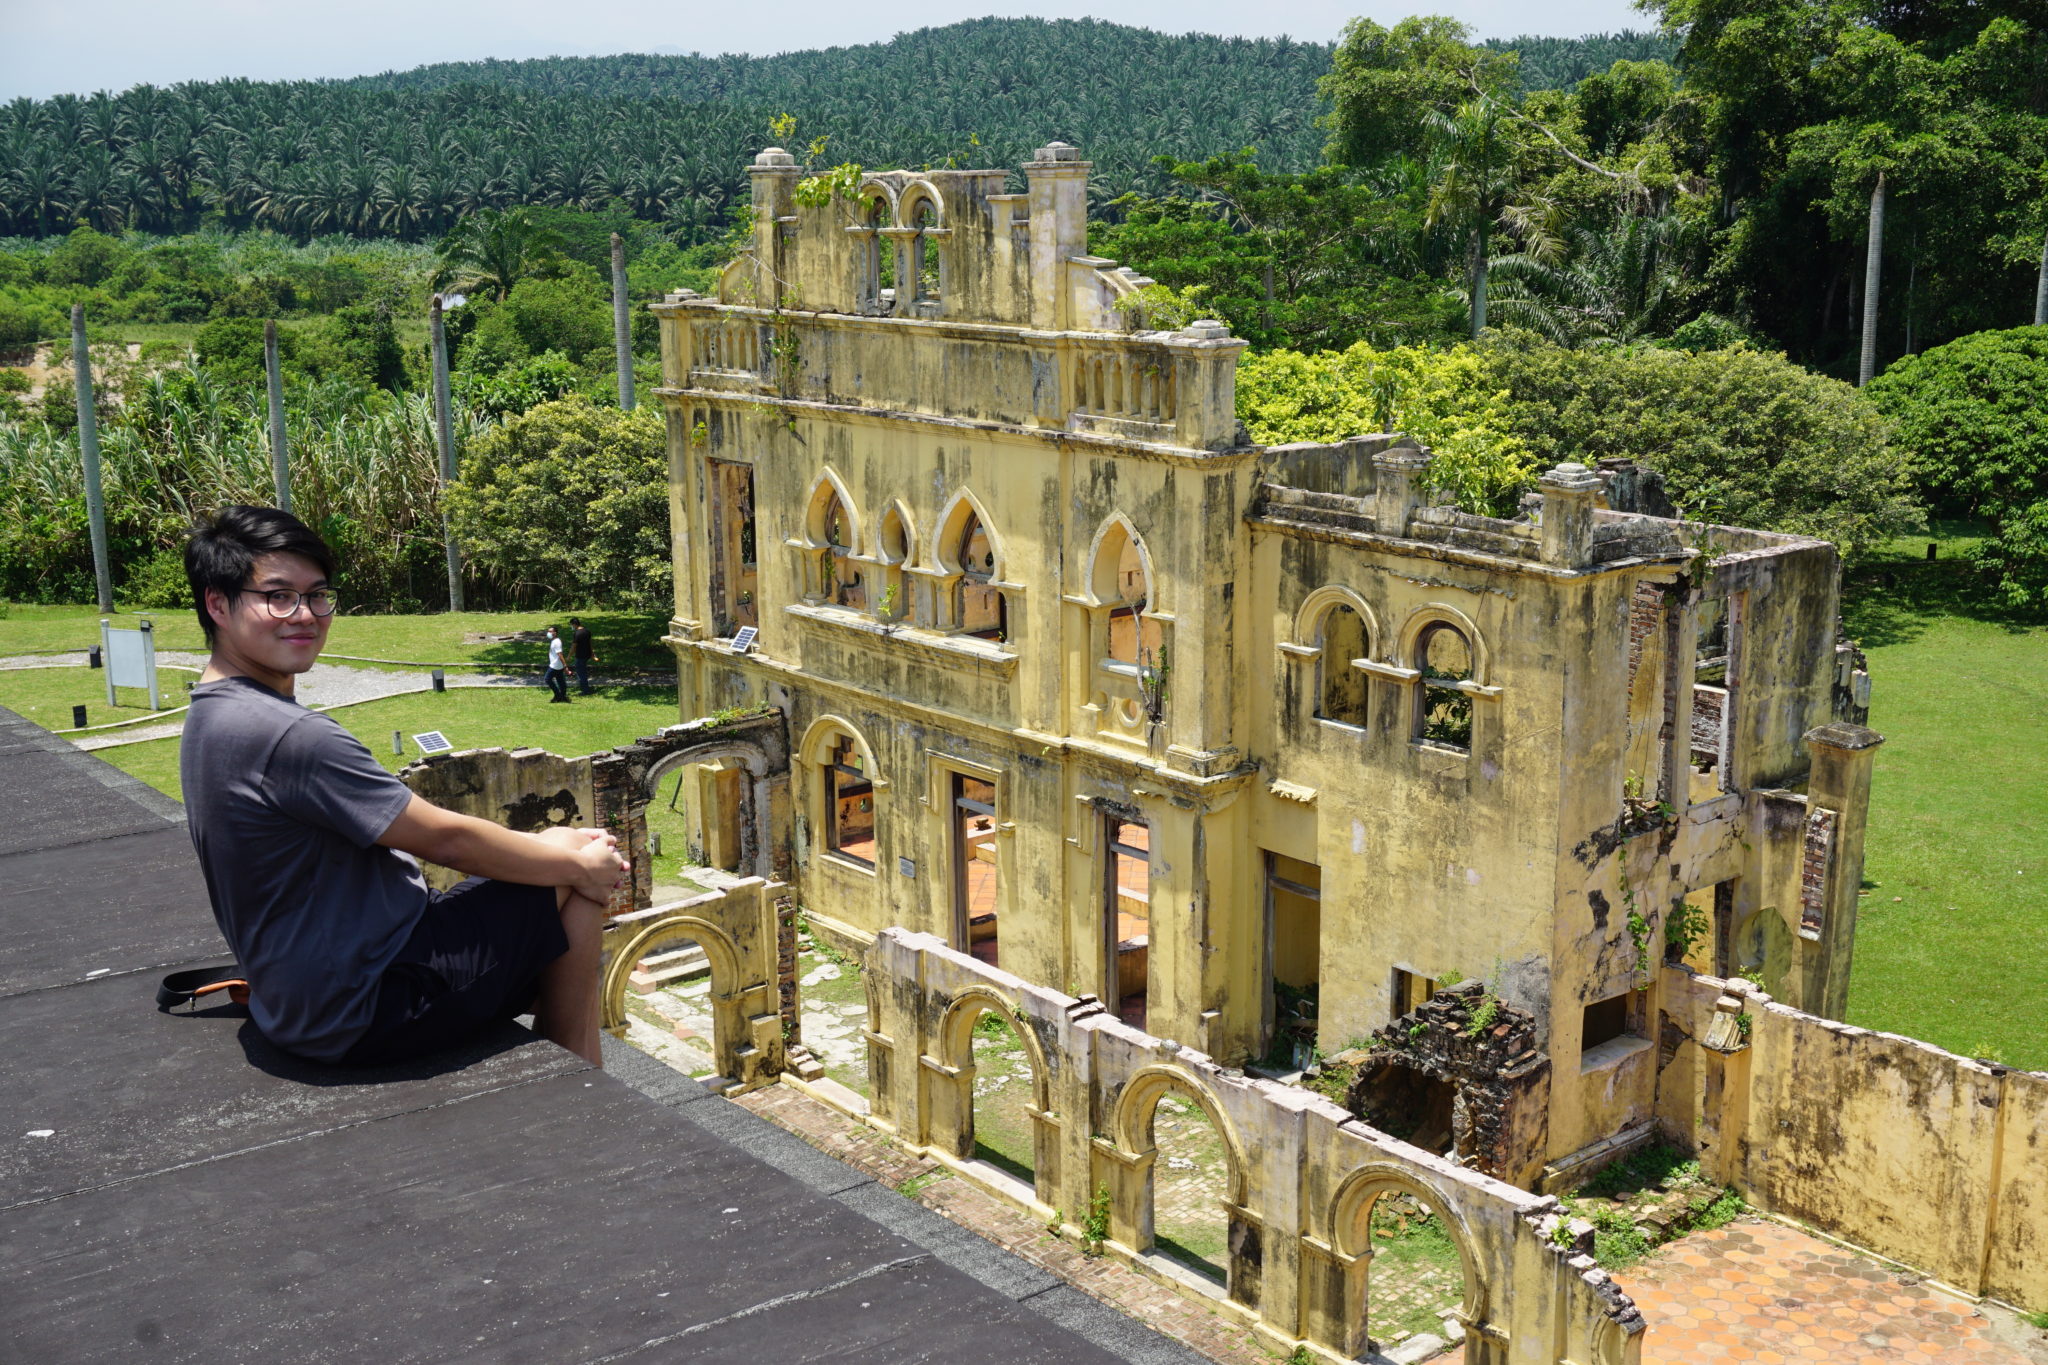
1974,414
1742,437
568,504
1440,397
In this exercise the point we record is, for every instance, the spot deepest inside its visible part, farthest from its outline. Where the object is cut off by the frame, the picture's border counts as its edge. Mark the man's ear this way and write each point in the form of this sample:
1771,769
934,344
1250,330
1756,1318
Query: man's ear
218,606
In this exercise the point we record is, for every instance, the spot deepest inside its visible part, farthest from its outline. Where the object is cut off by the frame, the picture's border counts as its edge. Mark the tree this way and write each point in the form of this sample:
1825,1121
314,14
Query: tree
494,250
1974,413
1741,437
567,505
1440,397
1312,261
1384,83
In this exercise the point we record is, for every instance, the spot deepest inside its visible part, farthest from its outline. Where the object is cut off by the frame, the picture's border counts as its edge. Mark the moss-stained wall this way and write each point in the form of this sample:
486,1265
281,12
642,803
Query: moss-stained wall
1887,1142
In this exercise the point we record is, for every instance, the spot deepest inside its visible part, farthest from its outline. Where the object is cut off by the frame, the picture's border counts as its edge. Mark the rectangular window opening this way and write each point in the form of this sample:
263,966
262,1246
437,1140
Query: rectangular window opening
1127,914
850,805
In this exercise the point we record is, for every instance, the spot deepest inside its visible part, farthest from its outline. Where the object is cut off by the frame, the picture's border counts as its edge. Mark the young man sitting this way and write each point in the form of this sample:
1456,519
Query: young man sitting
310,848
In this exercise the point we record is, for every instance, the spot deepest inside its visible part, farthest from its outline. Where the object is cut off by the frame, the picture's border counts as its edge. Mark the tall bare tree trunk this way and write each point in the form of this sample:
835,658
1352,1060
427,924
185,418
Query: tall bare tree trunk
1872,259
2041,288
89,452
280,469
444,437
622,323
1479,282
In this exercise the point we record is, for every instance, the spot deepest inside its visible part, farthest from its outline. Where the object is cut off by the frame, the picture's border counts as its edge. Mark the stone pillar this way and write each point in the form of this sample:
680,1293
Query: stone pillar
1397,475
774,175
1838,802
1058,181
1570,492
1205,385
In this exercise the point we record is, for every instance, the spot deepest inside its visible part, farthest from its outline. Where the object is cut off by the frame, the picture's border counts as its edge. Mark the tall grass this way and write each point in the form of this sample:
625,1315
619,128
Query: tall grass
178,444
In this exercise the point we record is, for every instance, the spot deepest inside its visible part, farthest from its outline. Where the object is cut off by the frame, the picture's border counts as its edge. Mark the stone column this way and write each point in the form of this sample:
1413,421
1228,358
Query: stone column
1397,475
1058,182
1838,802
1570,492
1205,385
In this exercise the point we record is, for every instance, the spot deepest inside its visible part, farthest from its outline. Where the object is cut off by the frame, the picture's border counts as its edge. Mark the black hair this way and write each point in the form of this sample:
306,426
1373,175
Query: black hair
575,620
222,552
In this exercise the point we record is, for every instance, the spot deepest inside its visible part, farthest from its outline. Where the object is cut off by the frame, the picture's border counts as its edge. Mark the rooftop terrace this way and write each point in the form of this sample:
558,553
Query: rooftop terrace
172,1187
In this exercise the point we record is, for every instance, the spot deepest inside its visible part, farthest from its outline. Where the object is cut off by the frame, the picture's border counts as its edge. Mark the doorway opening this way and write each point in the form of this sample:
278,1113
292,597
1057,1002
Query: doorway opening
1127,918
973,808
1294,945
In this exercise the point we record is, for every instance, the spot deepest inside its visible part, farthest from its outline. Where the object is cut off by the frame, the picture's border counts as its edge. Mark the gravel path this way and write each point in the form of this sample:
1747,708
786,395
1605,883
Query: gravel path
322,687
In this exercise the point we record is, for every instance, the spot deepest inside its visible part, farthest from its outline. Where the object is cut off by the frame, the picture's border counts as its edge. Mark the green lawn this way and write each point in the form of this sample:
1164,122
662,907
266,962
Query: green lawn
472,718
46,695
1956,864
625,641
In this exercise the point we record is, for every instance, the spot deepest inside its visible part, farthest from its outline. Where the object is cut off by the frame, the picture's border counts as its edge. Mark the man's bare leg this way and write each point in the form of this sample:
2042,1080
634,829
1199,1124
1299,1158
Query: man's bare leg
568,1008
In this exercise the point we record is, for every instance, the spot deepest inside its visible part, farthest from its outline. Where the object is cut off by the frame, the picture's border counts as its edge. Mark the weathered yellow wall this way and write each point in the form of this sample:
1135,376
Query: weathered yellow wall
1888,1142
1028,393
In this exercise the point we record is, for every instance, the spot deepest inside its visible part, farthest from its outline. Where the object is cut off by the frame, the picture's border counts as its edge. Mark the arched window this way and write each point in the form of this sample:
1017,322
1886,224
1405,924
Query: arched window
981,609
1122,581
1341,689
877,258
849,802
841,575
924,267
1443,710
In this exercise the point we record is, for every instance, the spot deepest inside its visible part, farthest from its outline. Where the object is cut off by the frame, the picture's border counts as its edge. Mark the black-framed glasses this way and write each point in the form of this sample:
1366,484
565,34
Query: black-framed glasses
282,602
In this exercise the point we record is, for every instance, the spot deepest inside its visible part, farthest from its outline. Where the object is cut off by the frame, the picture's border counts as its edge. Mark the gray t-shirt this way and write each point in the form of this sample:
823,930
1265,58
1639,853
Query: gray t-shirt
286,808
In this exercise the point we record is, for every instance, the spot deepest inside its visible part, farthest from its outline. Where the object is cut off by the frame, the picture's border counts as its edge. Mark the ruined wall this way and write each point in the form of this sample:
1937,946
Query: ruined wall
1887,1142
739,929
1302,1172
523,789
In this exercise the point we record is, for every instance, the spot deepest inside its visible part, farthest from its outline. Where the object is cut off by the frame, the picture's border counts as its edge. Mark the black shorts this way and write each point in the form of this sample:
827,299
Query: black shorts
474,958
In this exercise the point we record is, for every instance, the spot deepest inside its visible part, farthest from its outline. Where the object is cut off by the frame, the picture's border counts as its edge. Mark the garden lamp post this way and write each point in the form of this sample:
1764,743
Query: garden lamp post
444,432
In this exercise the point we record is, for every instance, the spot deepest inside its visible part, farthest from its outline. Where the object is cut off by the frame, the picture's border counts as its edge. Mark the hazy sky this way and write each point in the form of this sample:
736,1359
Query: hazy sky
50,46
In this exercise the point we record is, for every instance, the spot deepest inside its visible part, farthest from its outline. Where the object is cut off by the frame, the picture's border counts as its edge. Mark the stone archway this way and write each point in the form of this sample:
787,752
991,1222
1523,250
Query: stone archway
1342,1320
951,1076
1134,1156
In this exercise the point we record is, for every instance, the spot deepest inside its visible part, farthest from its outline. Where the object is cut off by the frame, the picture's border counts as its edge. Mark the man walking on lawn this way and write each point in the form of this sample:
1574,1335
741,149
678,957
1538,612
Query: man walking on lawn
310,849
556,675
583,656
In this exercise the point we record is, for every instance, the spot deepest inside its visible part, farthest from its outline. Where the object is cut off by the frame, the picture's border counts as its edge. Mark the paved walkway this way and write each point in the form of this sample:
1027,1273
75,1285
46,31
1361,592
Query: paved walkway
1760,1291
321,687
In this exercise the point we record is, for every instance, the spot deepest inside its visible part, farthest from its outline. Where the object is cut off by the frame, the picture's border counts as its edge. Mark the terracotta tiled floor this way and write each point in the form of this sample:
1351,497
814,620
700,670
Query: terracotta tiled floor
1762,1292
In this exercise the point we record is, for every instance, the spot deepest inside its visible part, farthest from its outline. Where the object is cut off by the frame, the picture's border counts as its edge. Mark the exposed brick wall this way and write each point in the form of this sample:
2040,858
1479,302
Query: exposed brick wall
785,968
1644,612
1709,721
1813,872
1491,1071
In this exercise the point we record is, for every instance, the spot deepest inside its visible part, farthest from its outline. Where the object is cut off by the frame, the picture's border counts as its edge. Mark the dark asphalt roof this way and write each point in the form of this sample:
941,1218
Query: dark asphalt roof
173,1188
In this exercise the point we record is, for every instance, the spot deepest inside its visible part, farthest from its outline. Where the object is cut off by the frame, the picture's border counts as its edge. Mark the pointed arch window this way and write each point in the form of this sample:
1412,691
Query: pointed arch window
979,605
926,257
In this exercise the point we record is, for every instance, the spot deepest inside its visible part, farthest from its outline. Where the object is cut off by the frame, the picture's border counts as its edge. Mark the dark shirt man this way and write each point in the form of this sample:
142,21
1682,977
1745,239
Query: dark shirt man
583,657
310,849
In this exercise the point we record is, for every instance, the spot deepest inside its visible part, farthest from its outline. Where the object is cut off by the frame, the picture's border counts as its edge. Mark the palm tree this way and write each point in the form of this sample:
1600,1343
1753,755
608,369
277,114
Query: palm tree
1620,284
1474,189
494,250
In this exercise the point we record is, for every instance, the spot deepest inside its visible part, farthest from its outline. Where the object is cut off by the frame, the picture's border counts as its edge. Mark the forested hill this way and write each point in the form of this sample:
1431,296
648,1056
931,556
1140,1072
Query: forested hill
406,154
1561,63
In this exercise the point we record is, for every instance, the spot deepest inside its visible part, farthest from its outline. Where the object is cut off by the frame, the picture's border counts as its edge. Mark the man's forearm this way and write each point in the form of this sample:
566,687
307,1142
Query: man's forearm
478,848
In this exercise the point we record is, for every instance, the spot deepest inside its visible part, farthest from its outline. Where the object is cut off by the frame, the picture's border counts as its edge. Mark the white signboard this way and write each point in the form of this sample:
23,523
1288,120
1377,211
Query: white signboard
432,742
130,657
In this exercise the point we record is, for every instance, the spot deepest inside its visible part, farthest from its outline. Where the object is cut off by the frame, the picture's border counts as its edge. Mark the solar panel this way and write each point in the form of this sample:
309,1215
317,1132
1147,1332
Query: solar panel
432,742
744,641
